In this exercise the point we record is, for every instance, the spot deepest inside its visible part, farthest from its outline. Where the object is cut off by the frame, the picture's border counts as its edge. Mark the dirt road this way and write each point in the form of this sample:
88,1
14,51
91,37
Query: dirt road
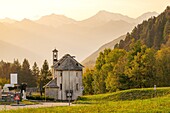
44,104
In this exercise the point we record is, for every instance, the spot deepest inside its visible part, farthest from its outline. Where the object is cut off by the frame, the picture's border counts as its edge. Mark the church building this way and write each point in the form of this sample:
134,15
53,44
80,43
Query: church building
67,78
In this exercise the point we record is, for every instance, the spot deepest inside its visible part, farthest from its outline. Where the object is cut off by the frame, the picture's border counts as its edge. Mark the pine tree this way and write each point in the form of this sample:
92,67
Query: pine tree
5,69
16,67
26,75
36,72
45,76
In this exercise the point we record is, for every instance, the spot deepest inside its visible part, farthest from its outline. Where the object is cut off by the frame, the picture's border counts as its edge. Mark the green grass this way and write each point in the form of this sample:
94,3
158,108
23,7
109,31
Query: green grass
129,101
132,94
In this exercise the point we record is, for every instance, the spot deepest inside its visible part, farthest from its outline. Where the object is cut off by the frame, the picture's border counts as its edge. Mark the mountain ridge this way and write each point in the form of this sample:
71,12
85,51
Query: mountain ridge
73,38
10,48
89,62
55,20
153,33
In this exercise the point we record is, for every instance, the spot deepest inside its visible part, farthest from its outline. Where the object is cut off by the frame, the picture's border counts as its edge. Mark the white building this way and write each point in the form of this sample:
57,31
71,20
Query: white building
67,78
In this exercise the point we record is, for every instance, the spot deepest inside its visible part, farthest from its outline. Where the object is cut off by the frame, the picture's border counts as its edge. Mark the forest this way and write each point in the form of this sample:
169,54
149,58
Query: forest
33,77
141,60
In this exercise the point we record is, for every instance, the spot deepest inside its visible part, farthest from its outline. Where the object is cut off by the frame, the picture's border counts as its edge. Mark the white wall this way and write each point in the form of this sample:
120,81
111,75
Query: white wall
64,79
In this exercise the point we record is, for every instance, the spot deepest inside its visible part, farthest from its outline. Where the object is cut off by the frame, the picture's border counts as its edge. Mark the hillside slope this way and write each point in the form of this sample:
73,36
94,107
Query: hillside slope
78,38
131,94
8,53
105,16
153,33
89,62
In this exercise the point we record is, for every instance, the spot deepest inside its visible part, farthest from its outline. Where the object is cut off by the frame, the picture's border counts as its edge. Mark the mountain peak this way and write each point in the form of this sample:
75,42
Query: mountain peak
53,15
149,14
106,13
146,16
103,12
55,20
25,20
7,20
106,16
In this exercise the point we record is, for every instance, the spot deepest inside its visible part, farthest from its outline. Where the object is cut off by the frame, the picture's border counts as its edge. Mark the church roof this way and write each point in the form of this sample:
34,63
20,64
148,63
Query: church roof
52,84
68,62
55,50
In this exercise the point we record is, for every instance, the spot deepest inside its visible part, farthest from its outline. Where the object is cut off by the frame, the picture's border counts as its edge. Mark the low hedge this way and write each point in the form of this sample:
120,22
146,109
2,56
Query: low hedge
37,97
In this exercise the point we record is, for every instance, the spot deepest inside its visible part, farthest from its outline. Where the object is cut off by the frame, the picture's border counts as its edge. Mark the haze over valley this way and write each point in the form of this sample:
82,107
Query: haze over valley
35,39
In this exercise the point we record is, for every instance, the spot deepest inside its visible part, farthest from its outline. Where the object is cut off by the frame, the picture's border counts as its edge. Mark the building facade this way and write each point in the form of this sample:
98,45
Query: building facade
51,89
68,75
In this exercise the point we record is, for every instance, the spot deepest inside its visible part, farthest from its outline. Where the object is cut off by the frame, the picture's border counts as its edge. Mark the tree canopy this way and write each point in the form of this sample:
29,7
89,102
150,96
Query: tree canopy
141,60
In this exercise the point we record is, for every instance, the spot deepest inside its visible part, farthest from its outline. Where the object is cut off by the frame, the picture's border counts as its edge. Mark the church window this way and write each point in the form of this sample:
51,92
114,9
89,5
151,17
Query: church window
77,86
61,74
76,74
60,86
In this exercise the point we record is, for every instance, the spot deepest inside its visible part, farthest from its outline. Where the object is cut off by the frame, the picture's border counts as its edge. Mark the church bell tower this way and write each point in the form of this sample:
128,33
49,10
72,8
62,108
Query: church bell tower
55,56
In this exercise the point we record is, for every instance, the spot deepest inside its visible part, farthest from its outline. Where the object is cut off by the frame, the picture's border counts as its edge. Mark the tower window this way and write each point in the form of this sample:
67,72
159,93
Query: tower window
61,74
60,86
77,86
76,74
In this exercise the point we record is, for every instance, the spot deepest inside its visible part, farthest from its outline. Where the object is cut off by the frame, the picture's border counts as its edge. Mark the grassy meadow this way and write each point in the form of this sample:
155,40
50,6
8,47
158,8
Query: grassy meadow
134,100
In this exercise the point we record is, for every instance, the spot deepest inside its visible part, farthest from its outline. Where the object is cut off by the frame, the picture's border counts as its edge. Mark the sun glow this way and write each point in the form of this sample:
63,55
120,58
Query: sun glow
77,9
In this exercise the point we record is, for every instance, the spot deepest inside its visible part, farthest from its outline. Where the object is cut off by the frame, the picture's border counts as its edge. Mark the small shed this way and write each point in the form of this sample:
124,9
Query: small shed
51,89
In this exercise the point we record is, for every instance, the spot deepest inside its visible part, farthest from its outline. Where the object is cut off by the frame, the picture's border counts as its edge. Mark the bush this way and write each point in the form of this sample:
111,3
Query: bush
37,97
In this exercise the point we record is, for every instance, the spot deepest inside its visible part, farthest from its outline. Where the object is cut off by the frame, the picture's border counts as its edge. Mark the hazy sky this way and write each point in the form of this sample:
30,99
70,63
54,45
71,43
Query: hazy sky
77,9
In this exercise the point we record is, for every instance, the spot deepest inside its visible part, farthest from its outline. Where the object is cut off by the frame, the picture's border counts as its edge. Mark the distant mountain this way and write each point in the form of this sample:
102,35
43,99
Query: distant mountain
90,61
9,52
103,17
7,20
118,23
153,33
55,20
69,36
145,16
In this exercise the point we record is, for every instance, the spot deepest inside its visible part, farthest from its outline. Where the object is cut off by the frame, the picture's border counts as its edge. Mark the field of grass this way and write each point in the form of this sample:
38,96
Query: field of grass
134,100
132,94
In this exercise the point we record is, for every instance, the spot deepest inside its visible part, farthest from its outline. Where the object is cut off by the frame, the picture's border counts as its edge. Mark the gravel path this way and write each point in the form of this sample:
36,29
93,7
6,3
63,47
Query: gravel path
45,104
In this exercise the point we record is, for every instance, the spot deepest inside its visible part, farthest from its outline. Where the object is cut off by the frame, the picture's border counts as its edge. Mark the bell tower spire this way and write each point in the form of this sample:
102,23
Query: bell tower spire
55,56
